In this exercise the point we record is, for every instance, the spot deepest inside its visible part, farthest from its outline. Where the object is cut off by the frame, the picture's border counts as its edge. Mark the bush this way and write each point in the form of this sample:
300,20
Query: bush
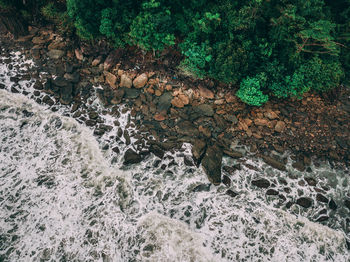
250,91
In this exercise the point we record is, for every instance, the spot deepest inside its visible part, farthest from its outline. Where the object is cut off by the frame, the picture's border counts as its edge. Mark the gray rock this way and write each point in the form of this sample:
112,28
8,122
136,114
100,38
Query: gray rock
55,54
204,110
131,92
211,164
198,149
187,128
261,183
164,102
274,163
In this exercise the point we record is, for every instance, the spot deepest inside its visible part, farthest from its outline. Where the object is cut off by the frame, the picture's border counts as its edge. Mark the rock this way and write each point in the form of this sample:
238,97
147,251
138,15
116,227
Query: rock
204,110
272,192
226,180
321,198
280,126
177,102
60,81
347,203
304,202
125,81
140,81
131,157
274,163
131,92
79,54
201,188
205,131
164,102
332,205
66,94
159,117
198,149
97,61
157,151
230,97
55,54
47,100
38,40
184,99
233,154
322,218
261,183
73,78
188,161
57,45
112,59
231,193
205,93
187,128
299,165
211,164
311,181
111,79
261,122
271,115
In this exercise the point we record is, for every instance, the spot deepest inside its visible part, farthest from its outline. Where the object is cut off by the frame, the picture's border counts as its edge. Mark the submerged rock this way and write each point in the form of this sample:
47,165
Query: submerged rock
305,202
261,183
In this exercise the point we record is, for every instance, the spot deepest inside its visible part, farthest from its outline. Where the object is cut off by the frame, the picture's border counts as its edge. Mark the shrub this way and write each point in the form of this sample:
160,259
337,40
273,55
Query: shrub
250,91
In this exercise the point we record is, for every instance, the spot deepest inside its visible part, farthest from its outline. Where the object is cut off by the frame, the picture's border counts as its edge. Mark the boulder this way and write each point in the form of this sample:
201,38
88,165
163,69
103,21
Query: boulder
110,79
131,157
79,54
187,128
204,110
164,102
140,81
112,59
176,102
205,93
261,183
198,149
211,164
97,61
280,126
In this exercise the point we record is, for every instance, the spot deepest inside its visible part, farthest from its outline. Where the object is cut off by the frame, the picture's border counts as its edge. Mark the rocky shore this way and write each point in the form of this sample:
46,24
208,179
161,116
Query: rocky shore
170,108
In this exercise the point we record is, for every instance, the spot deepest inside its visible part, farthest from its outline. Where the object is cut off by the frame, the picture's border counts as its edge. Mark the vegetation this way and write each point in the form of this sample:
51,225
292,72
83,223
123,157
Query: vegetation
280,48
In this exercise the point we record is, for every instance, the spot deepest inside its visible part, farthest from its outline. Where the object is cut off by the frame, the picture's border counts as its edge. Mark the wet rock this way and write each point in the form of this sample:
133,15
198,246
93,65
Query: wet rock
127,137
202,188
272,192
261,183
321,198
311,181
125,81
231,193
73,78
157,151
60,81
116,150
322,219
140,81
226,180
332,205
233,154
55,54
299,165
47,100
131,157
305,202
274,163
231,169
198,150
347,203
164,102
188,161
204,110
211,164
66,94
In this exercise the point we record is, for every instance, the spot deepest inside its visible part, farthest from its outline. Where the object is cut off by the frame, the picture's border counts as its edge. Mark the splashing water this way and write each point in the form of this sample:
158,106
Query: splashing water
63,198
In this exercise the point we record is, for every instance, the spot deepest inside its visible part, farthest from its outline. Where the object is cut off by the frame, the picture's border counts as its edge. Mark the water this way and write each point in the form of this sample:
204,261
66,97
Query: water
64,198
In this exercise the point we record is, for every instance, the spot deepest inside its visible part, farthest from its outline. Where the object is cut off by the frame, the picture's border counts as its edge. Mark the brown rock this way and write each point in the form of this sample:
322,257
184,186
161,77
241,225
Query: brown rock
206,93
56,45
230,98
79,54
96,61
168,87
158,92
159,117
177,102
111,79
280,126
205,131
271,115
125,81
261,122
112,59
38,40
184,99
140,81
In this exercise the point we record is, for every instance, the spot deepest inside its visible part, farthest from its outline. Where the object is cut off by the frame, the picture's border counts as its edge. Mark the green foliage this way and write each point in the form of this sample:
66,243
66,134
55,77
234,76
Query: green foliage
151,29
60,18
250,91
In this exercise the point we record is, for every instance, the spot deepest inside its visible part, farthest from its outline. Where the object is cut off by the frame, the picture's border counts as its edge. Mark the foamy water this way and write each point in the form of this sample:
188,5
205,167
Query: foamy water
63,198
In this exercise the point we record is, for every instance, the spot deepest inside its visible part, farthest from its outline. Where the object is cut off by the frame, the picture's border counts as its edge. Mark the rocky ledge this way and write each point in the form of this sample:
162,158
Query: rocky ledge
175,108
